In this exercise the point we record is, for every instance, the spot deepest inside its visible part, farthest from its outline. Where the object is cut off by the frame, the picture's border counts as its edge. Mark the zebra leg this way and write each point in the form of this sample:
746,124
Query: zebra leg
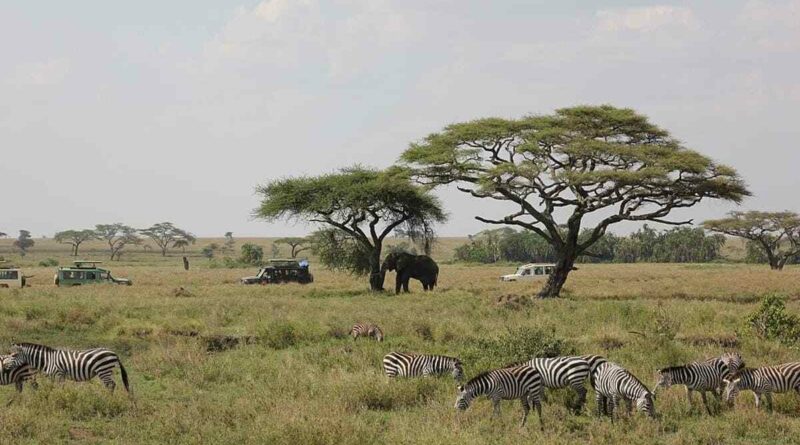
108,381
689,398
525,410
496,409
601,404
581,390
538,405
705,402
18,385
758,400
629,406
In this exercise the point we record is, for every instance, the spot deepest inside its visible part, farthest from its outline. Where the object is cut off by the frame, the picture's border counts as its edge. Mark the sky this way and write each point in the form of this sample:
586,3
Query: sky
149,111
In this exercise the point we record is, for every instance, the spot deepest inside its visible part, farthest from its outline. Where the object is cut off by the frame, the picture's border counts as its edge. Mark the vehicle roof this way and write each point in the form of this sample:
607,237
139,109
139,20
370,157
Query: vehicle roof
537,264
81,268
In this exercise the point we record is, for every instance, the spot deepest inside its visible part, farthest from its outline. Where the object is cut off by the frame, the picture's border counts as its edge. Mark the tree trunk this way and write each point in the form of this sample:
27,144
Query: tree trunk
556,281
376,276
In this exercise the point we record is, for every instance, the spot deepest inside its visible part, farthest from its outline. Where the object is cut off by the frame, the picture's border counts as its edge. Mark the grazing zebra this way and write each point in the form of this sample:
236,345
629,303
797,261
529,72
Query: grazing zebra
64,363
727,365
413,365
614,383
700,377
16,376
561,372
594,362
764,381
519,382
366,330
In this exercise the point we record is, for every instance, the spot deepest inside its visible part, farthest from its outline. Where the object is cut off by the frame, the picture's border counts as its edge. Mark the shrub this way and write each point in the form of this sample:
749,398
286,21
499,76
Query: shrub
518,345
772,322
251,254
48,262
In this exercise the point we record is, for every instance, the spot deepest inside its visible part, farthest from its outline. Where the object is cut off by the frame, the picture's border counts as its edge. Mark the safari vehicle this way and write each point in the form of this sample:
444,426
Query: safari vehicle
86,272
533,271
11,276
282,271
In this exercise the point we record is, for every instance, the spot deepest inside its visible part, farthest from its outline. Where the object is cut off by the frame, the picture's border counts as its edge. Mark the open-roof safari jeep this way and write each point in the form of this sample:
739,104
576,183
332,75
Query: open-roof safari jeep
11,276
86,272
533,271
282,271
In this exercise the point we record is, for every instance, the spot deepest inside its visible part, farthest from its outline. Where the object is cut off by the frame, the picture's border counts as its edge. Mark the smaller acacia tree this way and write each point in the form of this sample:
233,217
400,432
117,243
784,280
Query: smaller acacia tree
297,244
777,234
3,234
24,242
359,208
117,236
165,234
74,238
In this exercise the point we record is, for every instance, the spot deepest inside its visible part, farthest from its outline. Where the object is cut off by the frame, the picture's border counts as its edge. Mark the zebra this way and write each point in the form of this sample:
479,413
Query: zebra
727,365
64,363
415,365
594,361
16,376
561,372
519,382
614,383
366,330
764,381
700,377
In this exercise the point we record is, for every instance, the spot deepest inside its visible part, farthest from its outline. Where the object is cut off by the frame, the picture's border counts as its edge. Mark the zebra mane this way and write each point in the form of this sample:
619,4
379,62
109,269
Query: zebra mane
670,369
34,345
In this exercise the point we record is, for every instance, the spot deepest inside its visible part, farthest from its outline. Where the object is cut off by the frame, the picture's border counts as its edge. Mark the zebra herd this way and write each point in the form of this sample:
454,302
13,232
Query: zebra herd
28,359
722,376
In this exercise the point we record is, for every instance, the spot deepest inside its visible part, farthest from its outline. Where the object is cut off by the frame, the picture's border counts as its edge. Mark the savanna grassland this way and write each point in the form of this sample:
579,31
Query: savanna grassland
295,377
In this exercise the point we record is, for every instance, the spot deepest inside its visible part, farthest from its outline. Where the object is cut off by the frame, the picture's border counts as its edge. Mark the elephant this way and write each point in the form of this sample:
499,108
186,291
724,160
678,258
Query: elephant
420,267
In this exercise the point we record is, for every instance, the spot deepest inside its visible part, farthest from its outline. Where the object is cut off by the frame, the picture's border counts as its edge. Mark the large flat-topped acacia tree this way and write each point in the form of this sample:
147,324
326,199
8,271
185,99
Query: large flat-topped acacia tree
360,207
556,169
777,234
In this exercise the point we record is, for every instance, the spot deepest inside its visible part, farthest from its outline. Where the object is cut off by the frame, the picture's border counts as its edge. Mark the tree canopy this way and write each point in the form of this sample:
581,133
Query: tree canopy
117,236
24,242
364,205
777,234
166,234
557,169
74,238
296,244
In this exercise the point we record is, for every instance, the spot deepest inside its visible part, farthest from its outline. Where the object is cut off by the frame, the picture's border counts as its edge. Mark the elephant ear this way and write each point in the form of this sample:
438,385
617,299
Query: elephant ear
404,260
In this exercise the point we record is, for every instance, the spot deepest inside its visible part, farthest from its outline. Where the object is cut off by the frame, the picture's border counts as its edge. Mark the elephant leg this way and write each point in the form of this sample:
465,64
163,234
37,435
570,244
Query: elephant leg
398,282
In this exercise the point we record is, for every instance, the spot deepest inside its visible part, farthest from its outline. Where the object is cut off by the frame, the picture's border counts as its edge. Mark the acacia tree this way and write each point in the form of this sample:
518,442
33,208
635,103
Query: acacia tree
362,206
166,234
297,244
555,170
3,235
24,242
777,234
74,238
117,236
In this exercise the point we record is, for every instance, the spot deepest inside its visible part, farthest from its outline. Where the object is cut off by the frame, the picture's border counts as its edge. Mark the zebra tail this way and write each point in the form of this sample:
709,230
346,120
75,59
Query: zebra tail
125,378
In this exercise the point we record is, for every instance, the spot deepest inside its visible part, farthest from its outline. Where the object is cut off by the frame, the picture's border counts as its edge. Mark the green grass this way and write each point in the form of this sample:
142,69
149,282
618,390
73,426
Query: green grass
297,378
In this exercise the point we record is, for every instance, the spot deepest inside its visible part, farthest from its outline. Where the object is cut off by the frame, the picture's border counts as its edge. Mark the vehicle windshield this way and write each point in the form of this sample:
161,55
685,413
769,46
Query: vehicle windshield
9,274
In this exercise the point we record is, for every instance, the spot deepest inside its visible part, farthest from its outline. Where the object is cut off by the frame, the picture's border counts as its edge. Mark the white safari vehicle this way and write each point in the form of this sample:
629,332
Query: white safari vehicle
533,271
11,276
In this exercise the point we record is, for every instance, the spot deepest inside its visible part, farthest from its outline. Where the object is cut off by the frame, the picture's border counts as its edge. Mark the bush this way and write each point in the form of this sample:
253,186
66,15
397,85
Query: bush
772,322
518,345
251,254
48,262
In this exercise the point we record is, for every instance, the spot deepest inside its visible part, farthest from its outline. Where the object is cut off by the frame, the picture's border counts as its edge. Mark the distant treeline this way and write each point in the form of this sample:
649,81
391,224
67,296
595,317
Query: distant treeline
647,245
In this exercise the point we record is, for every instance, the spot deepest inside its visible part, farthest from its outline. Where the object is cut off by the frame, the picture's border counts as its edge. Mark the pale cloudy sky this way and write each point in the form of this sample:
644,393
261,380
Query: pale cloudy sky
149,111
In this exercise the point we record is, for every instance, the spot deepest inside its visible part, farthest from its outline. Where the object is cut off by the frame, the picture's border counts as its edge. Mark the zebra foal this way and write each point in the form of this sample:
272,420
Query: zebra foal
79,366
764,381
366,330
519,382
613,384
398,364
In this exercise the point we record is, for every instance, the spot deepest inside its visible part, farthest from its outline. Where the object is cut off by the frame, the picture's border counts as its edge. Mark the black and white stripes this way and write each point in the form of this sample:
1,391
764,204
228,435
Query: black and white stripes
366,330
68,364
765,381
614,384
398,364
562,372
519,382
18,375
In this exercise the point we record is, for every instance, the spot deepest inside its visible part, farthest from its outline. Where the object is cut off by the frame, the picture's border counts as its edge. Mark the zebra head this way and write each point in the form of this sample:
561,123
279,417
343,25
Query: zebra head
645,404
464,398
734,362
458,370
731,390
663,379
11,362
376,332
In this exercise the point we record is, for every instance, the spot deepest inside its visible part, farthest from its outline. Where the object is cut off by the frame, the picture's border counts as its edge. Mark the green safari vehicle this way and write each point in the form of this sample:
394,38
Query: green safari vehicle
86,272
